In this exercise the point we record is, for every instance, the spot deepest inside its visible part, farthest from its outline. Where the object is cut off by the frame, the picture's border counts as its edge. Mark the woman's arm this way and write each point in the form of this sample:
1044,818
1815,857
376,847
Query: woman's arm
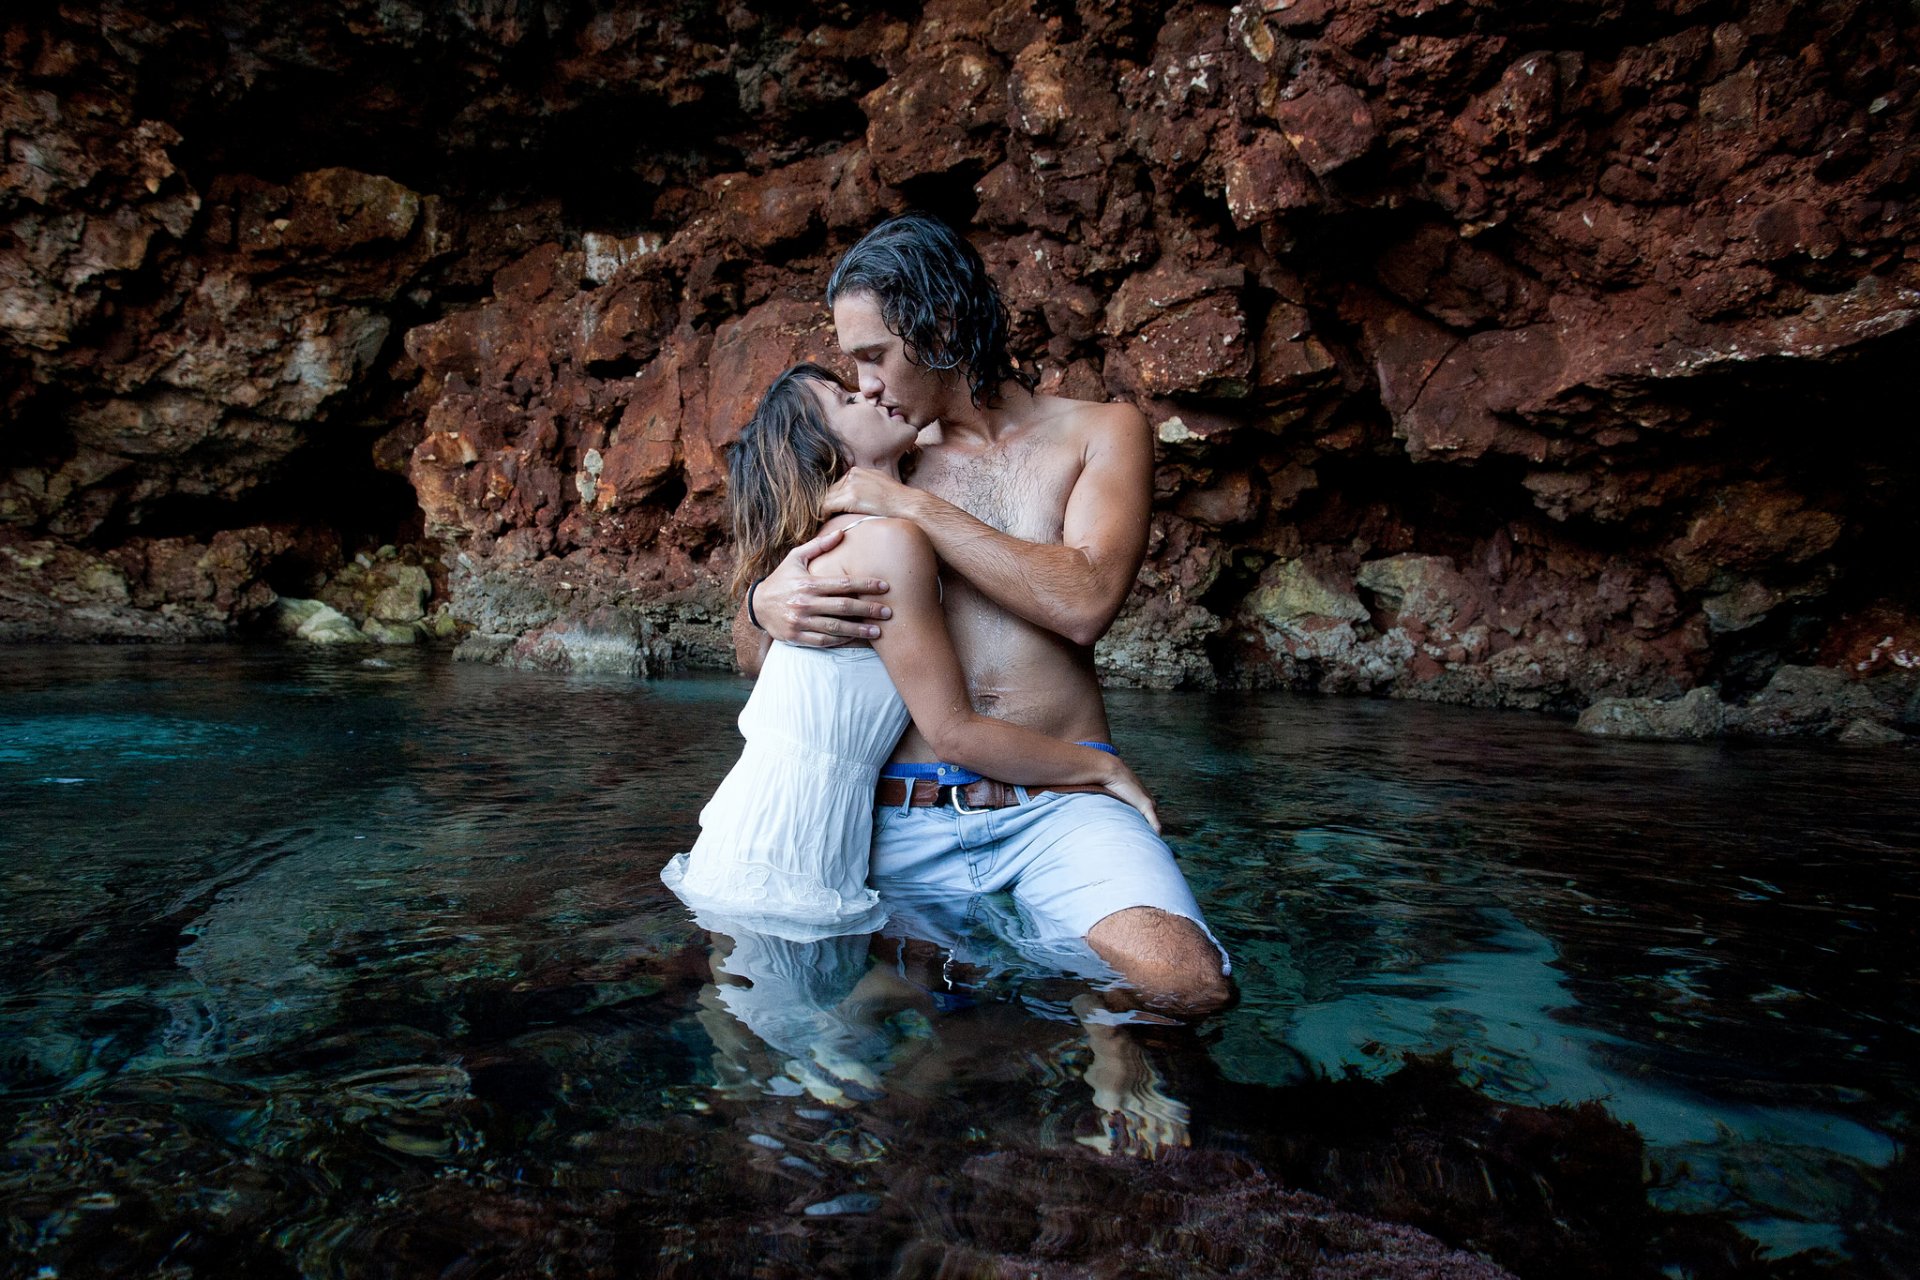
918,653
1075,587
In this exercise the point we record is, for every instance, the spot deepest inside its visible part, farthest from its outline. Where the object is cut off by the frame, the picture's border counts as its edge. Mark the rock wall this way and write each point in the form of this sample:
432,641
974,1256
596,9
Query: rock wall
1498,353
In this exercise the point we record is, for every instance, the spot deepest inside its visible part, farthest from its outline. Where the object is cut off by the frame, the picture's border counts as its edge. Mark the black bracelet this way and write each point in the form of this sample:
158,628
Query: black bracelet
750,590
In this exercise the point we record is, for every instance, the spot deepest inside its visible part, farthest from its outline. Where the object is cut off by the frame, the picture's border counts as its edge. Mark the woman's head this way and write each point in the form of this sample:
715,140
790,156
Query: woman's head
807,432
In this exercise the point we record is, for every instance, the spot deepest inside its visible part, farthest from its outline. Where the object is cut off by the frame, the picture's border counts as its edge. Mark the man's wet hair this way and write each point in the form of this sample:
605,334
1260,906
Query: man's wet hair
936,296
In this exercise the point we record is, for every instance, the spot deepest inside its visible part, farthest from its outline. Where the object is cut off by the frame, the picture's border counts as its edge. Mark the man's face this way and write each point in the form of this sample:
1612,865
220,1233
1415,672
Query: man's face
886,376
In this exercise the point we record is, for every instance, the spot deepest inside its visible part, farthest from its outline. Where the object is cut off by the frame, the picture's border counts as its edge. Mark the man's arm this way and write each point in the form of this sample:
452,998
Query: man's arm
750,643
1073,588
795,606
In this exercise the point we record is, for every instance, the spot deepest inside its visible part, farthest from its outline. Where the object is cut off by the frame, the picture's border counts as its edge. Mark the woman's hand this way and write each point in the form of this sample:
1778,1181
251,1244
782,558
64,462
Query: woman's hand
1123,785
794,605
871,493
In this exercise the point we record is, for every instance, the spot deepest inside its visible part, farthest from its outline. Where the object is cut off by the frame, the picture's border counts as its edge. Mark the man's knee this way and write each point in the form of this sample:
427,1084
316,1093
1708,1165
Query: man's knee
1170,960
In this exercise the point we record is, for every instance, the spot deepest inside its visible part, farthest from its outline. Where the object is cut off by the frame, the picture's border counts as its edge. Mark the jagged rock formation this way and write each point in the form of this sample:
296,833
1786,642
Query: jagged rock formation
1500,354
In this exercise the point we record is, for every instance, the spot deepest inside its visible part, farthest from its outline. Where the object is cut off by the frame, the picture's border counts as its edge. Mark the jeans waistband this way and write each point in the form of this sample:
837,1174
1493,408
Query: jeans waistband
953,775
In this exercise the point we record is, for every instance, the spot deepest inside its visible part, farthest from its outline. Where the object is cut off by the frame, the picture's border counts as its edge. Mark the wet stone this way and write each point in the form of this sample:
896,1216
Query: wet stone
855,1202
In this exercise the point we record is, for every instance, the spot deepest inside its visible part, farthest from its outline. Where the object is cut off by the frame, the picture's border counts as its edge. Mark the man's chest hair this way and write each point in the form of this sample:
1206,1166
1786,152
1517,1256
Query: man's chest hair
1019,487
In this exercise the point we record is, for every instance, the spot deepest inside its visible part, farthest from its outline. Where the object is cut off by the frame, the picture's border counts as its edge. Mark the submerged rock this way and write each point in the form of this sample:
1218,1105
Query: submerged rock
852,1203
1198,1213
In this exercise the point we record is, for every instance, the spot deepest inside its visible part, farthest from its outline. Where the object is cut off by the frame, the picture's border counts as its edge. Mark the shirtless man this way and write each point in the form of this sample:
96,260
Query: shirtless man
1039,507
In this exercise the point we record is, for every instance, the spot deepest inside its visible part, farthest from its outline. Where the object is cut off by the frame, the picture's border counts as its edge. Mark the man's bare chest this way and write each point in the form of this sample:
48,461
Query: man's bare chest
1019,488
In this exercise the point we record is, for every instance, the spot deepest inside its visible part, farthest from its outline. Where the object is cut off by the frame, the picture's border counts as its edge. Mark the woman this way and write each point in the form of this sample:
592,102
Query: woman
785,838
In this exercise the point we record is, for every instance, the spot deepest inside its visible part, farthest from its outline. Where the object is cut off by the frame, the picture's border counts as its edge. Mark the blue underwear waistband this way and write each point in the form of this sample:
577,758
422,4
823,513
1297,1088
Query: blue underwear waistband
952,775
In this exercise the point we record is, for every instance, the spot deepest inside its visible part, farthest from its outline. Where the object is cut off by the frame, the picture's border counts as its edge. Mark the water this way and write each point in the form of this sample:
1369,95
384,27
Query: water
316,966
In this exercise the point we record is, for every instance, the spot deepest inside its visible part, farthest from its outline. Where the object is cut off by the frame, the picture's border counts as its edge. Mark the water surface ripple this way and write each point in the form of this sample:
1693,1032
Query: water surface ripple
311,965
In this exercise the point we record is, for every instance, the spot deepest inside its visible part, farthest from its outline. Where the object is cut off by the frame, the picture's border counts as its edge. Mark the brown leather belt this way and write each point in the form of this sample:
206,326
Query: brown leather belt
984,794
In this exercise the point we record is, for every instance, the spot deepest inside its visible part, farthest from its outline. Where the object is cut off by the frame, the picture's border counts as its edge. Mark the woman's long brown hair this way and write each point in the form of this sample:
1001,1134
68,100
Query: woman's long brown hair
779,471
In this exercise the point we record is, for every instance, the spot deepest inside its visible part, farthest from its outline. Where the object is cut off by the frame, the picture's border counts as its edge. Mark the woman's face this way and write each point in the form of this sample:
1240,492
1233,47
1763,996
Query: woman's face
875,437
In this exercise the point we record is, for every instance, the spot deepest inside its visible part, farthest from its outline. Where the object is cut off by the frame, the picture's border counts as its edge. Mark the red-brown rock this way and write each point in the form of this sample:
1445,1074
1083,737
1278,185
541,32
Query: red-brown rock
1559,348
1328,126
942,114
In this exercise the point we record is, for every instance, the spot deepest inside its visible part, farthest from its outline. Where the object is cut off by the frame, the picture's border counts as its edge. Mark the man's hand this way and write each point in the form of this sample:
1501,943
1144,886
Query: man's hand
1121,784
871,493
795,606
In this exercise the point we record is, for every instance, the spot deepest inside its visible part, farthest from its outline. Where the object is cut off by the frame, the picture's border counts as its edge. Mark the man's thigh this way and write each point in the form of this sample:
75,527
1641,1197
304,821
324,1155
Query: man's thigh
1041,850
1069,860
1072,859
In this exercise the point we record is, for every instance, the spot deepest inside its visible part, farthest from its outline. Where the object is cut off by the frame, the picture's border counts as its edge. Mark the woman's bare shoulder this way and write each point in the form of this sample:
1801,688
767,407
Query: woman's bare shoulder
881,547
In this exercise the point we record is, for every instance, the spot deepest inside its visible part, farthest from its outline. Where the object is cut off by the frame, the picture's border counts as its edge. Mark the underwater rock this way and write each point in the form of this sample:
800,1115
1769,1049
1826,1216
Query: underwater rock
1196,1212
856,1202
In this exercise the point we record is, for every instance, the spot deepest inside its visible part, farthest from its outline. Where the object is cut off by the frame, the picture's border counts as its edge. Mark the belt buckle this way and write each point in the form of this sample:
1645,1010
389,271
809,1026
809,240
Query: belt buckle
953,798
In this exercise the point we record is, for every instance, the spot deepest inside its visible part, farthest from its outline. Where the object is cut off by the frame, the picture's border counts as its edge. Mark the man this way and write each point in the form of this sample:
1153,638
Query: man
1038,505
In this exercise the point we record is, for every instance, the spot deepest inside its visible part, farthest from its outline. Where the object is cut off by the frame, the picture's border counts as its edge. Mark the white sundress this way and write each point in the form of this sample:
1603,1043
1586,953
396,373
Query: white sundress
784,842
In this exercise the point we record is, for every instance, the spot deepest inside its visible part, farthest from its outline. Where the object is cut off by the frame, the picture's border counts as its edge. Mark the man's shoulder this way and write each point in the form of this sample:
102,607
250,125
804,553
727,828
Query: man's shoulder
1102,416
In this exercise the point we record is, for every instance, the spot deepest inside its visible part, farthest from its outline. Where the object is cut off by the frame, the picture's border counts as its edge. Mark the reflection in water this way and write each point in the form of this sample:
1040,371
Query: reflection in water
311,965
795,998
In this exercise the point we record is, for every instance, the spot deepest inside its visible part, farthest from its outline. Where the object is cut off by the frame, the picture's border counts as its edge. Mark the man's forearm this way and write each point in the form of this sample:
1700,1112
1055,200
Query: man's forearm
1052,586
749,643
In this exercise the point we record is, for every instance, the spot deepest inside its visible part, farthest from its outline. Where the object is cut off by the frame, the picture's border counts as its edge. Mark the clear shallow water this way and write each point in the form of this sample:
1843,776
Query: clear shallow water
309,966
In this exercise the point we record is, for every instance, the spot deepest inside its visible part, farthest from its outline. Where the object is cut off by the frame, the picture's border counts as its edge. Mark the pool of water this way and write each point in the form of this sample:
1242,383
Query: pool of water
311,965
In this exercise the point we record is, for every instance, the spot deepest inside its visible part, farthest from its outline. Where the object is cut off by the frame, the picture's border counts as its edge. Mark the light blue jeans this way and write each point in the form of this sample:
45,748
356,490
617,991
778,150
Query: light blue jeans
1069,859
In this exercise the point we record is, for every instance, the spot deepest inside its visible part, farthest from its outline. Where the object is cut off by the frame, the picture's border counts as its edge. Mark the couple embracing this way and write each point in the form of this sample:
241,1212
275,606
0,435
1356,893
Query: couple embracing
927,559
